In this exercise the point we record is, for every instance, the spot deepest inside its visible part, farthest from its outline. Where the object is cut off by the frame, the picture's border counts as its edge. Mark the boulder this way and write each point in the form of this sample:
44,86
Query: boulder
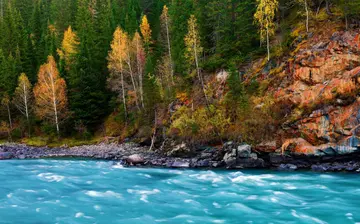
230,159
180,164
135,159
6,155
181,150
287,167
243,151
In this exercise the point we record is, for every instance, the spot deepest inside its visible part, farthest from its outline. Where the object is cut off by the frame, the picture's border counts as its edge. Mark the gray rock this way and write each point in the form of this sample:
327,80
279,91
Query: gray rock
229,159
181,150
6,155
253,156
135,159
287,167
244,151
180,164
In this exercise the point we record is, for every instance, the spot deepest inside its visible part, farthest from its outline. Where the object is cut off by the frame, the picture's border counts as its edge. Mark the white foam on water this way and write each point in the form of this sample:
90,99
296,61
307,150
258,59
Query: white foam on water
218,221
259,180
216,205
37,209
144,193
252,197
9,195
106,194
79,215
30,191
50,177
349,214
302,216
118,166
290,187
97,207
193,202
208,176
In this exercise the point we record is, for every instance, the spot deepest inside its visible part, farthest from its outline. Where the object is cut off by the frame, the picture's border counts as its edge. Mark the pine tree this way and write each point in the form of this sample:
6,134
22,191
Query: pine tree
264,16
50,94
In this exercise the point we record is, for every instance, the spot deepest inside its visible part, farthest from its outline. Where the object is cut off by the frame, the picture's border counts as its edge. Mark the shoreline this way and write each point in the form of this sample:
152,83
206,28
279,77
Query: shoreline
133,155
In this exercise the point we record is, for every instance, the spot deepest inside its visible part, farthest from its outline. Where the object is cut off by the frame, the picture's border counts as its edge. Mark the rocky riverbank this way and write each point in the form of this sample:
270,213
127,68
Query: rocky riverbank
230,156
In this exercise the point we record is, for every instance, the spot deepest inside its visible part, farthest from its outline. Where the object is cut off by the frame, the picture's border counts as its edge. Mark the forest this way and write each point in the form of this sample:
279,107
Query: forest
143,70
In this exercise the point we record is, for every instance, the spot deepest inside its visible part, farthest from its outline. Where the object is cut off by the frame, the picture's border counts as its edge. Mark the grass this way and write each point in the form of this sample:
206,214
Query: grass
70,142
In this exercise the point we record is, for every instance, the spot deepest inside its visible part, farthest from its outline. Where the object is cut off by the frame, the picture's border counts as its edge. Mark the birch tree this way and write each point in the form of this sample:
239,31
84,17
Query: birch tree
140,63
194,49
306,7
264,16
23,97
165,24
50,94
116,62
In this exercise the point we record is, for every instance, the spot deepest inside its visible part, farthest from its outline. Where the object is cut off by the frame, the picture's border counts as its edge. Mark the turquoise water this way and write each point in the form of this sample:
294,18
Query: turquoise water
61,191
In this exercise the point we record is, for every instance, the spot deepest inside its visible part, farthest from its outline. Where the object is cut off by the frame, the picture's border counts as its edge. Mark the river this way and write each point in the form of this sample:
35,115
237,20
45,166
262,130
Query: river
75,191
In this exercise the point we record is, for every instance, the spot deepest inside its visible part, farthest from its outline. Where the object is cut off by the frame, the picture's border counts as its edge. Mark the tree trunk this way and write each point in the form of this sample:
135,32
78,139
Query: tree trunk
169,49
133,82
140,74
307,16
154,133
123,94
328,10
9,115
54,104
26,107
268,43
199,74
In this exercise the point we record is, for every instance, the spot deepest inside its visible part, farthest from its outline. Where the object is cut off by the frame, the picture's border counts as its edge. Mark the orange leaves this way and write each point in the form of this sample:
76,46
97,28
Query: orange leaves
50,93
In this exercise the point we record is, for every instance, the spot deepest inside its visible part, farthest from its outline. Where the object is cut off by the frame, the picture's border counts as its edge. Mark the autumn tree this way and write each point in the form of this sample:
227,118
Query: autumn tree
138,46
69,48
165,25
23,97
50,94
146,32
264,16
116,63
194,49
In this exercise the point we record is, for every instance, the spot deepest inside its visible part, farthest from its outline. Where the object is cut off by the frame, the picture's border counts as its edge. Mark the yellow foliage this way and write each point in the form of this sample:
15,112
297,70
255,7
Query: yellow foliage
192,40
145,30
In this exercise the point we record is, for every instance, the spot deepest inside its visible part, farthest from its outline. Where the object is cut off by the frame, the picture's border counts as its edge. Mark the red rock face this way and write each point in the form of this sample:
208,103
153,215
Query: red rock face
323,83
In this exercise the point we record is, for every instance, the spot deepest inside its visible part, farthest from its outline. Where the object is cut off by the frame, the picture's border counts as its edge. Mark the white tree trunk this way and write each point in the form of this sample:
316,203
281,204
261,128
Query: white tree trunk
26,107
140,73
169,49
307,16
54,103
133,81
198,71
268,43
123,94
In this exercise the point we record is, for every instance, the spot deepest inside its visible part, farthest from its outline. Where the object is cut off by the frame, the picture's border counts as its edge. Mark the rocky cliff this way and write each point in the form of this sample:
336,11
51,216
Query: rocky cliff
319,84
